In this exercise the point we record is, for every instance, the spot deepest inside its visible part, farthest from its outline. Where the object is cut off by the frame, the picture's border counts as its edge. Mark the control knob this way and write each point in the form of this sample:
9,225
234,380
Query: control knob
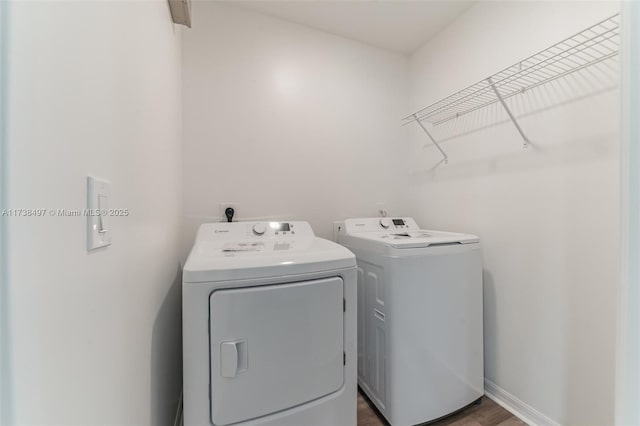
385,223
259,229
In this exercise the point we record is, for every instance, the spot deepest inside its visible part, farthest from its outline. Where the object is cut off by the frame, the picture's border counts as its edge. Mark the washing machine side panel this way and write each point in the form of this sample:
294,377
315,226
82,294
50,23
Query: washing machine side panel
436,332
363,373
372,328
376,331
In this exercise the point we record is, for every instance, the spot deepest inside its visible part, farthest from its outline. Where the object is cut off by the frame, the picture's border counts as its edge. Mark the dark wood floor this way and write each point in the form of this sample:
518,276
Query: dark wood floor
487,413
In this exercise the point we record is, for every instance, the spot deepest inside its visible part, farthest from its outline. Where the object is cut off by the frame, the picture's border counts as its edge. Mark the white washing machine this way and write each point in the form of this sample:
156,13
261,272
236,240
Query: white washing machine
420,334
269,327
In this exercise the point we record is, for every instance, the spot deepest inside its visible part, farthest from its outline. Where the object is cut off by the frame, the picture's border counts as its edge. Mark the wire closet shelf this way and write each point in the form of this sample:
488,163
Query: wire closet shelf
588,47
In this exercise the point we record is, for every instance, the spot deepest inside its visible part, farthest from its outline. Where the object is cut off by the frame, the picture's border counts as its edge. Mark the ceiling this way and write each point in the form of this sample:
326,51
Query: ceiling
400,26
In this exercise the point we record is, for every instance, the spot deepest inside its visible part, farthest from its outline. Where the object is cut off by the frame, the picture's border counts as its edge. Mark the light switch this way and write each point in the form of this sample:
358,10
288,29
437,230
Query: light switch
98,231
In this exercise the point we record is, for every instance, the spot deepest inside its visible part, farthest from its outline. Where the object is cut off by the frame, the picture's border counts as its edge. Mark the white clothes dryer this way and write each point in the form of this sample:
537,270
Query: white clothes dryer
269,327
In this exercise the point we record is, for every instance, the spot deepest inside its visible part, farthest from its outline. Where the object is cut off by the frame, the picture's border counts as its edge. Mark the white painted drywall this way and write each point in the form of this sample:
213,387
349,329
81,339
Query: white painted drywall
4,303
95,89
547,216
289,122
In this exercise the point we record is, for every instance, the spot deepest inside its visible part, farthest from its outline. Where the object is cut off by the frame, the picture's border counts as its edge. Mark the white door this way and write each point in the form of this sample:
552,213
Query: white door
628,326
274,347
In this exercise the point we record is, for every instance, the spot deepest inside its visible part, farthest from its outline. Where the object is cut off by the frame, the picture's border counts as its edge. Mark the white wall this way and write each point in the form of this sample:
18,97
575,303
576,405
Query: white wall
4,303
547,215
95,89
290,122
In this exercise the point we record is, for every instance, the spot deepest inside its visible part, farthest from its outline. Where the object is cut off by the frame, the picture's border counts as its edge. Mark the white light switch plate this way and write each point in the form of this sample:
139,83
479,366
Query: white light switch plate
98,197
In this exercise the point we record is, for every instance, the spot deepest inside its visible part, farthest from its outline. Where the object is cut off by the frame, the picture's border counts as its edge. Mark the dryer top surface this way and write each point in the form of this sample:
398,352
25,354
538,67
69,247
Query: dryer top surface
247,250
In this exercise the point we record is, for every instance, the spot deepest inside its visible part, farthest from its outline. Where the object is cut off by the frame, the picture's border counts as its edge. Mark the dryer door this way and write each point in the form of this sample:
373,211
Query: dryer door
274,347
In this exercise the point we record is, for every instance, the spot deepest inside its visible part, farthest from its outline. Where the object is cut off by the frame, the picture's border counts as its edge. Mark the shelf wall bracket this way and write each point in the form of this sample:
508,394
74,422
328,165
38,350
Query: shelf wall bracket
424,129
509,113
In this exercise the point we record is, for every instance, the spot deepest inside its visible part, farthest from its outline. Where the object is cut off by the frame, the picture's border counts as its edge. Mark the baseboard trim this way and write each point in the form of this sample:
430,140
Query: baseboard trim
516,406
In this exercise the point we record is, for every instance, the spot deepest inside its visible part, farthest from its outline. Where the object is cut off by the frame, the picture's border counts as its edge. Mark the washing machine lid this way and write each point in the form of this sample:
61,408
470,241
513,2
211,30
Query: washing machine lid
401,232
234,251
418,239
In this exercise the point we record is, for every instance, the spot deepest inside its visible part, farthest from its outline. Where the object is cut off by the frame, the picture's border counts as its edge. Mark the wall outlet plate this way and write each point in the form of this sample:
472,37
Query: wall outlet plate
381,209
338,227
223,206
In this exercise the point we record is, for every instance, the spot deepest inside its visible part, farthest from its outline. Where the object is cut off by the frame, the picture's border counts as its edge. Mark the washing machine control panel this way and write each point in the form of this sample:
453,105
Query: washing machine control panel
379,224
394,223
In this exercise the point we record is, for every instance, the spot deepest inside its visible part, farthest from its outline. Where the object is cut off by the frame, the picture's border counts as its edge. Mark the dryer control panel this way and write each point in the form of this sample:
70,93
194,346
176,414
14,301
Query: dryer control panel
254,230
377,224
